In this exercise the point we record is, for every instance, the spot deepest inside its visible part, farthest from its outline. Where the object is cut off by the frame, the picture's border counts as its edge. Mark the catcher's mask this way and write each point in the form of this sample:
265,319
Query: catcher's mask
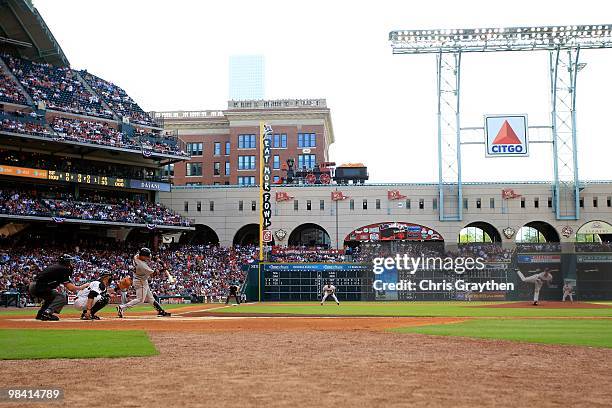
102,273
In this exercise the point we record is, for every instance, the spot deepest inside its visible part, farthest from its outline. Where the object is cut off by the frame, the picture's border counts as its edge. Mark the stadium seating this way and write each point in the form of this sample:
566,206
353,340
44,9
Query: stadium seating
59,88
201,270
75,165
18,126
62,89
118,100
9,91
104,134
91,132
22,202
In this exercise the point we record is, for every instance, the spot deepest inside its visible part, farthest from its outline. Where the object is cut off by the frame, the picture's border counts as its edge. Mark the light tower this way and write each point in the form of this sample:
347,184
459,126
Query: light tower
563,43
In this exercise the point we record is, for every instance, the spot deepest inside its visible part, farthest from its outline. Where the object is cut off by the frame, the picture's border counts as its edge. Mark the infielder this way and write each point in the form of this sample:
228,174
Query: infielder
94,297
567,291
329,290
538,280
142,271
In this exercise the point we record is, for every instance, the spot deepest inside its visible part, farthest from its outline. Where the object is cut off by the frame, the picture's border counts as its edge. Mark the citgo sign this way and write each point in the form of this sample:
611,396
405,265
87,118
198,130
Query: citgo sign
506,135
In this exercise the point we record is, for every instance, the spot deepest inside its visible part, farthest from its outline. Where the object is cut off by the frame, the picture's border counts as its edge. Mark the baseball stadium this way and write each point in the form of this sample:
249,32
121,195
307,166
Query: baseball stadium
207,258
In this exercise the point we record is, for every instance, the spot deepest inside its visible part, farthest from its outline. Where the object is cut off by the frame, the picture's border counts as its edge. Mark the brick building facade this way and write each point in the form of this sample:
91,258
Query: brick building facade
224,145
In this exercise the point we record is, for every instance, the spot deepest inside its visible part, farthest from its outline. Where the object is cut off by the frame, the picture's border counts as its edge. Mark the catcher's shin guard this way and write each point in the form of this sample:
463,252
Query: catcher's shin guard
100,304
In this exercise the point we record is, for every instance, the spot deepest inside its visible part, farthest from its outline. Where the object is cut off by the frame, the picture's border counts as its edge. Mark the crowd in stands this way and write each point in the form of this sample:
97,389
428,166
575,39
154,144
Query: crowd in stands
538,247
490,252
9,91
107,135
30,128
62,89
58,87
199,270
366,251
204,271
74,165
307,254
118,100
95,208
91,132
158,143
594,247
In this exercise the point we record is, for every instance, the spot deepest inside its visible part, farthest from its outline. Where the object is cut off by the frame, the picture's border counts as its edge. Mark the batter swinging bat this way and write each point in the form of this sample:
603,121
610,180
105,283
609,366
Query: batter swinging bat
171,279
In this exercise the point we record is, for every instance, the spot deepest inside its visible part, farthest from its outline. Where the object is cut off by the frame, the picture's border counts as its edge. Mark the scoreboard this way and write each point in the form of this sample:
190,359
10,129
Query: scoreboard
83,178
86,178
303,281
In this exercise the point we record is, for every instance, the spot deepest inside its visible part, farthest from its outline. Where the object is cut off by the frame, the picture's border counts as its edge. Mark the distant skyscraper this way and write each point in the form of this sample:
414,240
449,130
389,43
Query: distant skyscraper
246,77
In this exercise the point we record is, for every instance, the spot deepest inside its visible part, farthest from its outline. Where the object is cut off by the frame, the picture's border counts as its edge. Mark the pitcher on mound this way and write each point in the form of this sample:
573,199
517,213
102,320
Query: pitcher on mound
538,280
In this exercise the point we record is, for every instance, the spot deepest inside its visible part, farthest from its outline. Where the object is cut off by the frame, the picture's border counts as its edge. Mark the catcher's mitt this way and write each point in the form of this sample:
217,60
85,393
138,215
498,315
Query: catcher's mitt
125,283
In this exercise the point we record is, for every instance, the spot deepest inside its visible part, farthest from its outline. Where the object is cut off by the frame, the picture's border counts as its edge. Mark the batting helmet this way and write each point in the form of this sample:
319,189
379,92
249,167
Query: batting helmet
145,252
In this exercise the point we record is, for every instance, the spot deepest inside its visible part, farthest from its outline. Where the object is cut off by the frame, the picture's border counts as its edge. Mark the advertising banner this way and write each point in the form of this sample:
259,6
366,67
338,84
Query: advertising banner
265,182
539,259
22,172
506,135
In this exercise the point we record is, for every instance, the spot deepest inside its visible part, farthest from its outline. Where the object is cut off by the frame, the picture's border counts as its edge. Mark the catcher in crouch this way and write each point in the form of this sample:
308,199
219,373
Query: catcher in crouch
95,296
142,271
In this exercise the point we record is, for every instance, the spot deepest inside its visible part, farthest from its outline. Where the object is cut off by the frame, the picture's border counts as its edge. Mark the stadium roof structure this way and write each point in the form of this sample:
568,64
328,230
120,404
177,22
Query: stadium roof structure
501,39
563,44
24,33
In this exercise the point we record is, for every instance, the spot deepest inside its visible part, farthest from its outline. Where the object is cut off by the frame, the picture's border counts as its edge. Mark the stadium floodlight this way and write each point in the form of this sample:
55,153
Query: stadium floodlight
501,39
563,43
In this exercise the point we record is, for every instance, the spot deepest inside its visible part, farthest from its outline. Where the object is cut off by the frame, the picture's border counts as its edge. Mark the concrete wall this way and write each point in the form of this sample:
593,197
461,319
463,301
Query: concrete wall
226,219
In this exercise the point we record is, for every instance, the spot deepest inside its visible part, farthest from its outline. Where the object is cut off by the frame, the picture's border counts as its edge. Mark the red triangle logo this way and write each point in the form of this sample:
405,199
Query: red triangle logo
506,135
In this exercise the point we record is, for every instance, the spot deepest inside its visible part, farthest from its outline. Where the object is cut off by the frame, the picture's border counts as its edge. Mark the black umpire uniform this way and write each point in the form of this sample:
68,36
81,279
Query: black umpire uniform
45,286
233,291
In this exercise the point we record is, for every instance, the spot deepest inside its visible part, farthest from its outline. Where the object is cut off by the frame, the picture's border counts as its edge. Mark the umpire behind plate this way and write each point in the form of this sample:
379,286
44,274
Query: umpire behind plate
44,287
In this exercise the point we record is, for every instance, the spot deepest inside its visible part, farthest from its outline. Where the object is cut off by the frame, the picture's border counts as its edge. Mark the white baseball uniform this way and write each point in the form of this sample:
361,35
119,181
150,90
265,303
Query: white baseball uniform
142,271
538,280
82,295
567,291
329,290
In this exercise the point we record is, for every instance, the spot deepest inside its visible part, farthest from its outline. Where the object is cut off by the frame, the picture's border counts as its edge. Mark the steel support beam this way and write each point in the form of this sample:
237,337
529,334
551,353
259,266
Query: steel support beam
449,137
564,68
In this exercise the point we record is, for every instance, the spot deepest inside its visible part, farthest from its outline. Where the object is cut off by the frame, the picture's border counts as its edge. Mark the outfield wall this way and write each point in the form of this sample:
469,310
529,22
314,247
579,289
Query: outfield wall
591,279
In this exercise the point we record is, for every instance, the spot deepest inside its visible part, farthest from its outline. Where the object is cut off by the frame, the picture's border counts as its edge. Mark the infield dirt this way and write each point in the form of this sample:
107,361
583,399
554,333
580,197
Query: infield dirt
317,362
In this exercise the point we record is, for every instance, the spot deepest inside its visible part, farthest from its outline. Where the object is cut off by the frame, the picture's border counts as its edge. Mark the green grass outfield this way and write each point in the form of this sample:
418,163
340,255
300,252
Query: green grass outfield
71,311
19,344
426,309
584,332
